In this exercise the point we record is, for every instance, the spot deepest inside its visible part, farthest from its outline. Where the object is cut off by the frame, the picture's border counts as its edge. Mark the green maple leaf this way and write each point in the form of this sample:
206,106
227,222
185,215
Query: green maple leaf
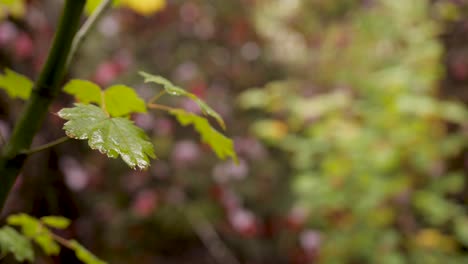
119,100
112,136
13,242
16,85
174,90
221,145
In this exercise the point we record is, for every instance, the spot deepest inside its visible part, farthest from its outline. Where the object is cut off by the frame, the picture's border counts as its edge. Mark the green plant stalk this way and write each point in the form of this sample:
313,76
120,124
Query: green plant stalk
45,91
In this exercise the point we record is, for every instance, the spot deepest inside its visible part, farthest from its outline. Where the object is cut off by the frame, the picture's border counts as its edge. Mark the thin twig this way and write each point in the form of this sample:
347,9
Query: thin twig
161,107
85,29
62,241
210,238
46,146
2,139
206,232
156,97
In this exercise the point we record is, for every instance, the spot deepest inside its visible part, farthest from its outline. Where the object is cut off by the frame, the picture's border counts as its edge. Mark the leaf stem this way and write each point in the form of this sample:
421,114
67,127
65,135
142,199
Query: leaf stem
62,241
44,230
103,103
161,107
156,97
86,28
46,146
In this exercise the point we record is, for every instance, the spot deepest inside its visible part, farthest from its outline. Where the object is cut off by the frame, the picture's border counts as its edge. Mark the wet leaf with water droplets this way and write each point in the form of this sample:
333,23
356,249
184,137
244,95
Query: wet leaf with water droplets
111,136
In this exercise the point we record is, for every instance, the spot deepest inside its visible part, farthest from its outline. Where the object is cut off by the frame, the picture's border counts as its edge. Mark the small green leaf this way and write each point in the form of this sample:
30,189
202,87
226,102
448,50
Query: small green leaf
84,91
13,242
56,221
29,225
221,145
172,89
16,85
32,228
207,110
83,254
47,243
111,136
122,100
166,84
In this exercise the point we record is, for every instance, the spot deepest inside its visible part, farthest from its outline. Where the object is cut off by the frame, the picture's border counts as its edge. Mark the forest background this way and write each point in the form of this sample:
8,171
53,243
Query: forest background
349,119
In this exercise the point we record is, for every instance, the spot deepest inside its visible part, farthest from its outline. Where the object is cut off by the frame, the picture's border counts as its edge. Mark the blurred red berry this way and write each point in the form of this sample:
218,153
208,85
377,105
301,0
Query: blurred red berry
145,203
23,46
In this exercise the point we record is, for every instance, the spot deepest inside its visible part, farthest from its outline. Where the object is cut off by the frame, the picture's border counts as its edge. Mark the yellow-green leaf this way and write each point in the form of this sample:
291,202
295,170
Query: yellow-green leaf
83,254
145,7
221,145
111,136
16,85
91,5
56,221
142,7
15,8
121,100
33,229
84,91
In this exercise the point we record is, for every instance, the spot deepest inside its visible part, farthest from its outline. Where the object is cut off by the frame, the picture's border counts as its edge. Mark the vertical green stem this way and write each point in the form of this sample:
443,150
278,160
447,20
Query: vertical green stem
45,91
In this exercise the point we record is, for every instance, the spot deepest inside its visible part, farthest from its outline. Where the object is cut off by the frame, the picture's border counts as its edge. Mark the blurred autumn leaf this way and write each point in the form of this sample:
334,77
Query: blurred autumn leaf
143,7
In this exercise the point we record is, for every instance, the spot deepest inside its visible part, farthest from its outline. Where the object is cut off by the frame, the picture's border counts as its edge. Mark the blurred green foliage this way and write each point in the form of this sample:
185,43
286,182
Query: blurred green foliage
370,149
37,230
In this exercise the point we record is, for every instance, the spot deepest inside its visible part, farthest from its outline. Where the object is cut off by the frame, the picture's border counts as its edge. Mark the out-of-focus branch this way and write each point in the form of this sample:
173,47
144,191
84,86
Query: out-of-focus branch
86,28
205,232
210,238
